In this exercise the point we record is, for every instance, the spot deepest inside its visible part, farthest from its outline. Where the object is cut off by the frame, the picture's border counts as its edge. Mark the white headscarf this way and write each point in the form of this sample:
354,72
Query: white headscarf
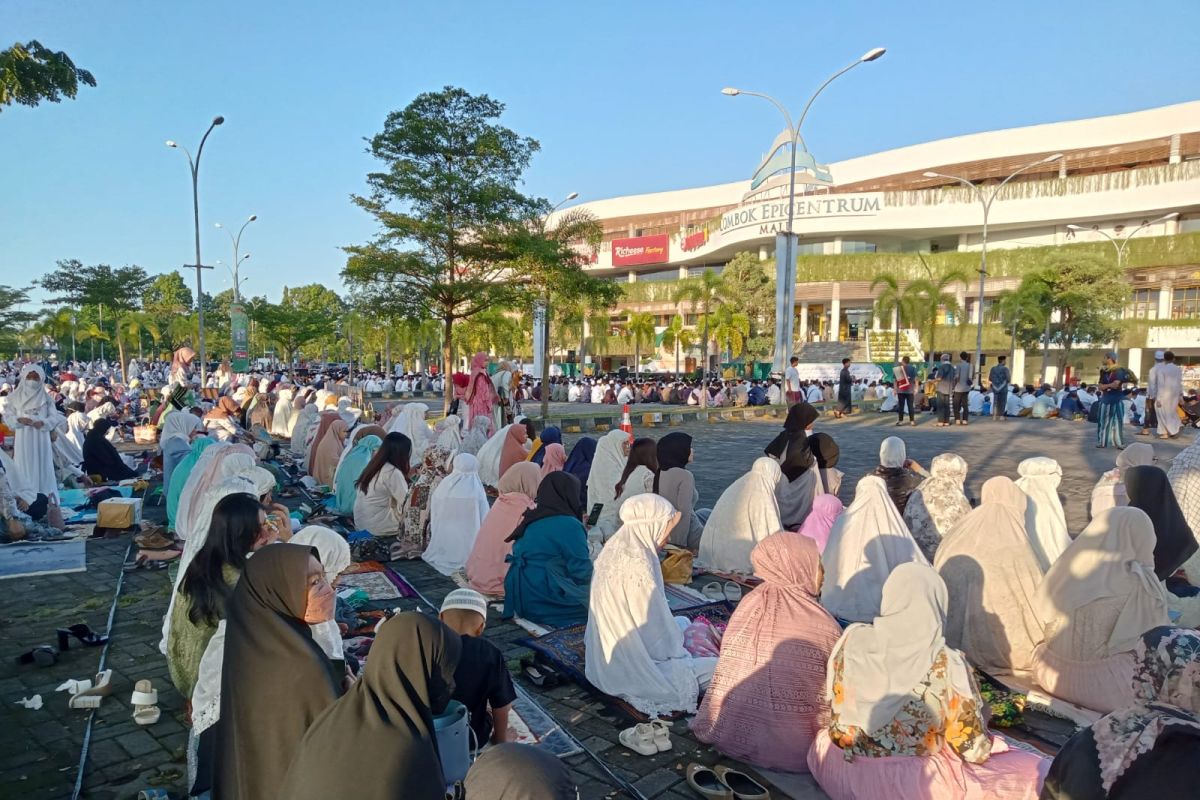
883,662
180,424
489,456
476,437
938,503
892,452
411,422
334,554
449,433
867,542
634,648
1045,522
307,417
30,398
1109,491
1113,557
283,419
456,510
607,465
746,513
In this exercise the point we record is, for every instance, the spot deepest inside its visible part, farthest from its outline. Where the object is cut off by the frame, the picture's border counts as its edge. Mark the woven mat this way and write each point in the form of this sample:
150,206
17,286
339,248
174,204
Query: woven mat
379,581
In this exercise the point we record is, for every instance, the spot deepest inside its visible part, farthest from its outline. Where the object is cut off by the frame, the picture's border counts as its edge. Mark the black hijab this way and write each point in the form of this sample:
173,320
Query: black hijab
275,680
513,771
792,443
824,449
100,457
557,496
673,452
1149,490
378,741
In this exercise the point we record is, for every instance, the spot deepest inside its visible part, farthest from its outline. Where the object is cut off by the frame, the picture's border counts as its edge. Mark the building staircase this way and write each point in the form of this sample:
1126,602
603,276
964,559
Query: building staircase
881,345
826,352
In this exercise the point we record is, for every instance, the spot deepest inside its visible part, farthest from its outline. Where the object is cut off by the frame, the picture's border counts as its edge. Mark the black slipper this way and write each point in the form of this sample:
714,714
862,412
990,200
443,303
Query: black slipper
42,655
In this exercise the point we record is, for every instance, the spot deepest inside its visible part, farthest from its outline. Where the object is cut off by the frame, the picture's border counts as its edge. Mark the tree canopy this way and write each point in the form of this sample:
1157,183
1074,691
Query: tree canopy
79,285
31,73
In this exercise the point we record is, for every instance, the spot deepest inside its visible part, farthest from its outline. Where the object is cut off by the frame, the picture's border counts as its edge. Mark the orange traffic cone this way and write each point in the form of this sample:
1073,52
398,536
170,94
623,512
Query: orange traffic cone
626,424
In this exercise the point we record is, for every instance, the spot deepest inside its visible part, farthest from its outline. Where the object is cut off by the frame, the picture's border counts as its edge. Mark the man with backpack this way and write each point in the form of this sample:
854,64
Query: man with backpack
906,380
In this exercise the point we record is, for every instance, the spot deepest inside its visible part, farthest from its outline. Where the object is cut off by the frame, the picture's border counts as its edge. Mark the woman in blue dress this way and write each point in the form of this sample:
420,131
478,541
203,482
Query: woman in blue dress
1111,415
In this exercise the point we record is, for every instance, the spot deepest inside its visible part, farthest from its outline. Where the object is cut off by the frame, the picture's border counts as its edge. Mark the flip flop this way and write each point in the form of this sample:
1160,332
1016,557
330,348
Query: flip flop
733,592
713,591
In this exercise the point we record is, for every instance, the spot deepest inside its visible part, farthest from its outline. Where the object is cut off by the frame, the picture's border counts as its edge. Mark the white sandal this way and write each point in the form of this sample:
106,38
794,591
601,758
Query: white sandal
145,703
90,694
733,592
713,591
639,739
662,735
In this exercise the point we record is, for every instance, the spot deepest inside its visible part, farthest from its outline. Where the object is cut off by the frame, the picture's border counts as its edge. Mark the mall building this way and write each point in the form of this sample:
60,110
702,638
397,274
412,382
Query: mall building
881,213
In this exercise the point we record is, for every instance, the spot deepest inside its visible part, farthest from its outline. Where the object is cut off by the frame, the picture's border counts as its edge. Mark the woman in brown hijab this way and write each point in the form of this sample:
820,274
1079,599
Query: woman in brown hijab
322,427
382,729
275,680
328,451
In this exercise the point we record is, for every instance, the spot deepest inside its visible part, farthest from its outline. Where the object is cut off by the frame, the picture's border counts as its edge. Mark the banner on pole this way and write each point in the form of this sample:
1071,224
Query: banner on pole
239,332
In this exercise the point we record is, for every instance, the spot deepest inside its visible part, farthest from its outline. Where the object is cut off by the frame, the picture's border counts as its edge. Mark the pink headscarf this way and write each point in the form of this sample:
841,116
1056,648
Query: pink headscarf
513,450
486,566
209,471
555,458
773,656
825,511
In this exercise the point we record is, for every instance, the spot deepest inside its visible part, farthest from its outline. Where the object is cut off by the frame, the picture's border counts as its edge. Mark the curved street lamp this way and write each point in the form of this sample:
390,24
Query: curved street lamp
237,262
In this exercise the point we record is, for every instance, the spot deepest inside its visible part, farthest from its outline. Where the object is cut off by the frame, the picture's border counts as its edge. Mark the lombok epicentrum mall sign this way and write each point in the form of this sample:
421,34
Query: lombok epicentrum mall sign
770,216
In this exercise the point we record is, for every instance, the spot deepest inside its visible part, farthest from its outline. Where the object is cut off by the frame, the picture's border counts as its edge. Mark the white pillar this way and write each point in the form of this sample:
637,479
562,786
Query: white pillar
835,315
1018,367
632,276
683,272
1164,299
1135,361
804,320
764,252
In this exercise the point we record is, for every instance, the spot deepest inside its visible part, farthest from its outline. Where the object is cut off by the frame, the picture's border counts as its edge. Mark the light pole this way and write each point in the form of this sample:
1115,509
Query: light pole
237,262
1119,243
194,164
543,324
73,359
785,267
986,201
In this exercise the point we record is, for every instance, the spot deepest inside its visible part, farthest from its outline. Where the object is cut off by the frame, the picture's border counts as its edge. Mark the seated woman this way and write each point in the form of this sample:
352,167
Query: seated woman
608,465
825,512
826,453
1174,543
276,680
364,443
938,503
488,563
992,577
537,451
555,460
1045,521
306,418
221,421
327,451
383,725
515,448
550,570
380,494
1109,491
866,543
792,449
175,441
745,514
901,474
101,458
1149,749
456,511
1095,602
906,717
636,478
677,485
773,656
633,645
579,464
333,551
414,534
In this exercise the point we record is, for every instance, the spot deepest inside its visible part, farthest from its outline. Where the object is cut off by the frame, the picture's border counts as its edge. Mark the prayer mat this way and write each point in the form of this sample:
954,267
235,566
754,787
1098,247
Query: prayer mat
460,579
24,559
377,580
528,723
745,581
564,650
680,598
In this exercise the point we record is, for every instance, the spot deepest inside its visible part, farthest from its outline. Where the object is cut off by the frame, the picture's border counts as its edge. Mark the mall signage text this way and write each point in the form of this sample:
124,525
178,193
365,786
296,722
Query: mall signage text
771,215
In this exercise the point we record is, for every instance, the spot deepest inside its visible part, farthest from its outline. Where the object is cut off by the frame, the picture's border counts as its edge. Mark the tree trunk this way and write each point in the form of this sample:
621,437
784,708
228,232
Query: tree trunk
447,359
676,359
896,360
1045,351
704,366
121,354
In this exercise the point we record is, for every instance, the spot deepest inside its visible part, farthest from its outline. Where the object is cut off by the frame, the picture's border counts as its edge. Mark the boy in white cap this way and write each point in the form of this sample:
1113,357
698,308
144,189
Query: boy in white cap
481,679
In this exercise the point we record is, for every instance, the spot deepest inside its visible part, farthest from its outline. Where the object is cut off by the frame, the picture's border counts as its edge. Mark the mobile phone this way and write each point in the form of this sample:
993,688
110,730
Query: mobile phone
594,516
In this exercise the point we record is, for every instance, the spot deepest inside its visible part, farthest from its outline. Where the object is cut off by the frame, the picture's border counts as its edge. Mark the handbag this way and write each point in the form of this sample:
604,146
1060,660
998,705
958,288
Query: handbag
676,565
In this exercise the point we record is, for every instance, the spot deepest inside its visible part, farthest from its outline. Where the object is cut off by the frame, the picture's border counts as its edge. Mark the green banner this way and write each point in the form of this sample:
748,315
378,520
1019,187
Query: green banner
239,327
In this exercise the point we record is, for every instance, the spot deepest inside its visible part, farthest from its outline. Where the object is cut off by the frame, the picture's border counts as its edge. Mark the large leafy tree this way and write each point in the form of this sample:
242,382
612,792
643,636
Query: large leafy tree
731,328
289,325
749,288
639,333
933,293
449,185
31,73
168,301
13,318
98,285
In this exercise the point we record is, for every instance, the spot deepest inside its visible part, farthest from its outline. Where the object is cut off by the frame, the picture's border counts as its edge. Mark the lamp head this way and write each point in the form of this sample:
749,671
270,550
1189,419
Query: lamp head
730,91
930,175
1166,217
218,225
1049,159
247,255
874,54
1077,228
252,218
572,196
218,120
171,143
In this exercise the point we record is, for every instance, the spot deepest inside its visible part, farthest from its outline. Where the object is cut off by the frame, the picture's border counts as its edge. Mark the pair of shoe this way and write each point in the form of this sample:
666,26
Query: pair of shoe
723,783
716,592
647,738
542,676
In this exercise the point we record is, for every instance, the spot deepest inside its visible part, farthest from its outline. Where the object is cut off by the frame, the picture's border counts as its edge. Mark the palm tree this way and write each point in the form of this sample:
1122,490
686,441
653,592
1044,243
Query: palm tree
703,293
600,327
934,295
731,328
677,337
639,332
901,305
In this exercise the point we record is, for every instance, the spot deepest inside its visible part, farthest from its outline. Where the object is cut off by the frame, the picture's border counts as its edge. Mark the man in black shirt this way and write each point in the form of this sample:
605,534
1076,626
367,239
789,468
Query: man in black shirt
481,679
845,382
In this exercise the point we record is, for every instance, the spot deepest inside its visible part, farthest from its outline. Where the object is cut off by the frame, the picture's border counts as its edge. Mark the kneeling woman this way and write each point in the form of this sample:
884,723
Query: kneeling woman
550,569
633,645
906,717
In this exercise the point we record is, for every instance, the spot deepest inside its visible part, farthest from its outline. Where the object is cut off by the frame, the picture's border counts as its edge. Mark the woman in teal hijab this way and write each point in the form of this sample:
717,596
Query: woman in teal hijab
366,441
180,475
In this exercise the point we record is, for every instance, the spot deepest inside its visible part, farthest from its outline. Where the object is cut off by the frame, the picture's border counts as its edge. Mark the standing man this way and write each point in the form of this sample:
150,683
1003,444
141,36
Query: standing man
791,383
962,387
999,379
946,375
844,401
906,382
1166,399
1150,415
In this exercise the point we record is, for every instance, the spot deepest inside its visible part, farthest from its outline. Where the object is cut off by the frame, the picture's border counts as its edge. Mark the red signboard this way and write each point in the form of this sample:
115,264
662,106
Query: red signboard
695,240
640,250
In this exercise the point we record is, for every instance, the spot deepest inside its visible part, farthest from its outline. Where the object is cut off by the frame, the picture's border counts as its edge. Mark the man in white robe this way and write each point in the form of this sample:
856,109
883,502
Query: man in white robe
1167,392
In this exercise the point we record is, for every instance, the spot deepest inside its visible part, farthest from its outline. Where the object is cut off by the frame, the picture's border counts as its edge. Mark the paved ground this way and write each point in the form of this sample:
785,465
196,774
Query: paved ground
39,750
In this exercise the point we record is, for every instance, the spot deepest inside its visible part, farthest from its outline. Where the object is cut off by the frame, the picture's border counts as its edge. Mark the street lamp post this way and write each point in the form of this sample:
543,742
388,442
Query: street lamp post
73,359
785,267
237,262
543,326
986,201
194,164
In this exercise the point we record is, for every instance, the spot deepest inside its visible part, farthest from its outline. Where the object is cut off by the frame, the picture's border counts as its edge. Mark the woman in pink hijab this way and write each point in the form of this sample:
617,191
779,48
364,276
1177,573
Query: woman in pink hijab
555,458
486,566
481,393
825,511
766,700
514,447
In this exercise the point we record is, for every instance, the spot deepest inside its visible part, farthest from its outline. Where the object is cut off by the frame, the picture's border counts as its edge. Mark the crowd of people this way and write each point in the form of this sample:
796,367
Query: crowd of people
856,656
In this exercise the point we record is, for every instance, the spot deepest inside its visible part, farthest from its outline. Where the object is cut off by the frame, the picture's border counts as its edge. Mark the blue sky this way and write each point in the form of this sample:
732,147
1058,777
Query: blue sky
623,96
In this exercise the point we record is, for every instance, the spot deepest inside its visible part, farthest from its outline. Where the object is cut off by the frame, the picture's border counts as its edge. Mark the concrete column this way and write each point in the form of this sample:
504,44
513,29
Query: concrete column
683,272
834,247
1164,299
1134,360
804,320
835,315
764,252
1018,367
632,276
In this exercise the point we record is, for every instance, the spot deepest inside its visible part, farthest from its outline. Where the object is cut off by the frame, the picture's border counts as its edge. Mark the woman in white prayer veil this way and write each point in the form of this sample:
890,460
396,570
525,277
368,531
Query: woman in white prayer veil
633,645
489,454
30,413
745,514
305,421
1109,491
410,421
284,417
456,511
866,543
1045,522
449,433
476,437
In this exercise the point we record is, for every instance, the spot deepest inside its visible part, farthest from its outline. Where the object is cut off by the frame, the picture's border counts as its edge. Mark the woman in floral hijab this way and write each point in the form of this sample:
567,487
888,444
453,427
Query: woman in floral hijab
938,503
414,535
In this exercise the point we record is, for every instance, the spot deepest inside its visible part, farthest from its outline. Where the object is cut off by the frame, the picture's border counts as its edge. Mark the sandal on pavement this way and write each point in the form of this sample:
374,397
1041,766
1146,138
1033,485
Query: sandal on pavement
705,783
662,734
733,592
713,591
742,785
86,636
43,655
639,739
144,563
91,696
145,703
536,676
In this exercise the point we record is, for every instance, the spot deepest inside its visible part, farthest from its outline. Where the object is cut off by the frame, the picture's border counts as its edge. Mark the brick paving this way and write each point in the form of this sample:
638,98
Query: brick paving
39,750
